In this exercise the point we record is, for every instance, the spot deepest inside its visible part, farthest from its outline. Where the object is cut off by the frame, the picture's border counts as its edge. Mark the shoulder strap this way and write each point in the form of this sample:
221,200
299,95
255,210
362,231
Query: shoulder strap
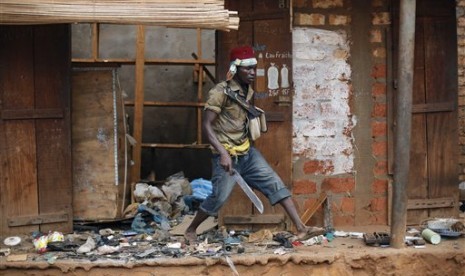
251,110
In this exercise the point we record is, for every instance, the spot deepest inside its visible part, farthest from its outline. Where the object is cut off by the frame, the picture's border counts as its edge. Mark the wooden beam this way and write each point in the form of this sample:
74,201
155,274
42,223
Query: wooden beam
166,104
433,107
147,61
431,203
310,211
138,103
24,114
39,219
261,219
95,40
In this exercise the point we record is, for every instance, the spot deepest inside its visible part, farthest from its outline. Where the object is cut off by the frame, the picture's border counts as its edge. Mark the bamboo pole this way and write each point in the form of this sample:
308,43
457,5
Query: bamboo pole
208,14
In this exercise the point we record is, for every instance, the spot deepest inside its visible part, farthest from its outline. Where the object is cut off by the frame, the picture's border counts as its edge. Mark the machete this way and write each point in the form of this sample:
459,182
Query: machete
248,191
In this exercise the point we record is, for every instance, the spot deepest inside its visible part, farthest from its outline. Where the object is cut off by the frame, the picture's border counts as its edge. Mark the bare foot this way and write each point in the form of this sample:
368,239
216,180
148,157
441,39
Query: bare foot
310,232
190,237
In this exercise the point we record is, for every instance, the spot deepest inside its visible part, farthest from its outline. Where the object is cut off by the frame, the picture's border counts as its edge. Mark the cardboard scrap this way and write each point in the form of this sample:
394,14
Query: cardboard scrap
16,258
207,225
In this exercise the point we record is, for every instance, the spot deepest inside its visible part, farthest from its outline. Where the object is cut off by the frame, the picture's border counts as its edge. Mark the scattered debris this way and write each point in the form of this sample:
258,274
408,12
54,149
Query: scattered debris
154,226
377,239
12,241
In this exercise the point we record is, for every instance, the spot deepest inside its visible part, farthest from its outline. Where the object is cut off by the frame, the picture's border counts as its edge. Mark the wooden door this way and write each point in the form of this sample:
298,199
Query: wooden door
35,156
266,26
433,179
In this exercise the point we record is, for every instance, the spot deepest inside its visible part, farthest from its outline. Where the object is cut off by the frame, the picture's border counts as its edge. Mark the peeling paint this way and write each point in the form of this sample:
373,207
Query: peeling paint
322,119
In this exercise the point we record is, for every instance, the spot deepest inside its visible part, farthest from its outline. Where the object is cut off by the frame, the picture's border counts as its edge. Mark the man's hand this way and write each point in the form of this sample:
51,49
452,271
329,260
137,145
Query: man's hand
226,162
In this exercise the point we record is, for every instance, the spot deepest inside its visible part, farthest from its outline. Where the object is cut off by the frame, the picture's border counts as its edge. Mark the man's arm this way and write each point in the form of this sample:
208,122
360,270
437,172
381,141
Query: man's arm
225,158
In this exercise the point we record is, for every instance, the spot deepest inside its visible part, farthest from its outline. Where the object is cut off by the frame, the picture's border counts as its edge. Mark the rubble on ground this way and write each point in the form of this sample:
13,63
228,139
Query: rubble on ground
155,223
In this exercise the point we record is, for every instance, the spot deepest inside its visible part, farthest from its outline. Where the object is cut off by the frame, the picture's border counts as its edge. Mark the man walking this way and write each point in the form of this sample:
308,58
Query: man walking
225,124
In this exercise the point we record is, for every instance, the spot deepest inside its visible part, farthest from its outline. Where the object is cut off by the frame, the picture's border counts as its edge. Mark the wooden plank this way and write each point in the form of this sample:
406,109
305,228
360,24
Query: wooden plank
95,40
39,219
431,203
389,197
311,211
417,187
260,219
276,144
52,47
167,104
275,116
138,104
19,178
97,195
441,86
21,114
434,107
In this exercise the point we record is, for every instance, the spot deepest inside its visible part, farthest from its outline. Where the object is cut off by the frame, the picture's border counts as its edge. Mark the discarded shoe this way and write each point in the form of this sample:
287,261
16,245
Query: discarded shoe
61,246
87,247
283,240
310,233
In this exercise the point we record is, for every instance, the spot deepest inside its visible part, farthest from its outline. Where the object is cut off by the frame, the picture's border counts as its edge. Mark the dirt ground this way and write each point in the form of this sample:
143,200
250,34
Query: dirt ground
341,256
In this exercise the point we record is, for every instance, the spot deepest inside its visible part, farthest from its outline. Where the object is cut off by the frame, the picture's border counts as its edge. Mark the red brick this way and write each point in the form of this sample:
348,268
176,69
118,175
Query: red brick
379,218
304,186
379,148
341,221
378,129
318,167
379,186
347,206
380,168
378,89
339,185
379,110
379,71
378,204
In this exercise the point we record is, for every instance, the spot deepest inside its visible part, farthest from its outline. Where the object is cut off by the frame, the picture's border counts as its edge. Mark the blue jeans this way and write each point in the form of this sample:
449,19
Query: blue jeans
255,171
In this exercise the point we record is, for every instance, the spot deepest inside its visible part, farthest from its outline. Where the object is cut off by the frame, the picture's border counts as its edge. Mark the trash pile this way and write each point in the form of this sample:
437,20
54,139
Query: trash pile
157,207
159,216
132,246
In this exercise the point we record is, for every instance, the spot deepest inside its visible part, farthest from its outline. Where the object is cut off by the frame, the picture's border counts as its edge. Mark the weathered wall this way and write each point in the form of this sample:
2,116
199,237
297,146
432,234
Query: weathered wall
166,83
340,130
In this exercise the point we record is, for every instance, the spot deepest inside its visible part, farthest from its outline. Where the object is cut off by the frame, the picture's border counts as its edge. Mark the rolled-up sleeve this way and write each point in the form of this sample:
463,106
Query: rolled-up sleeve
216,99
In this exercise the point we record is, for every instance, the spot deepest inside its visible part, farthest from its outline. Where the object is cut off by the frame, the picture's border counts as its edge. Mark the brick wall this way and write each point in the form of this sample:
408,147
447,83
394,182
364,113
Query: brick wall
326,116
